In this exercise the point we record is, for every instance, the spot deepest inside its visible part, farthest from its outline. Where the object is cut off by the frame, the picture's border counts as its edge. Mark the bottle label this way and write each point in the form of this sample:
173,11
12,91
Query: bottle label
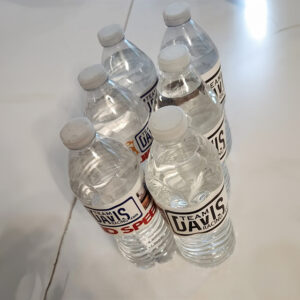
140,143
131,213
150,97
217,136
209,214
214,79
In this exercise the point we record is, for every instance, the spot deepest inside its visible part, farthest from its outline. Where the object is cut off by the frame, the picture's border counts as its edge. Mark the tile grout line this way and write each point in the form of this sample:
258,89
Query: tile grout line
74,200
128,15
287,28
59,248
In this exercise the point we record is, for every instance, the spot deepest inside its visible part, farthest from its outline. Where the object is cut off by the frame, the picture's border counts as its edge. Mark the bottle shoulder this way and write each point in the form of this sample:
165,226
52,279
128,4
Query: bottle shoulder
174,85
183,152
130,67
181,176
190,34
126,56
103,172
115,111
204,53
204,111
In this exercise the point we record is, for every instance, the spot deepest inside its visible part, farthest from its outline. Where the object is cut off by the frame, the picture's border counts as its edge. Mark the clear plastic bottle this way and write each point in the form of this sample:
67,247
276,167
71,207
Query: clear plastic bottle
115,112
181,29
128,65
180,85
108,180
185,178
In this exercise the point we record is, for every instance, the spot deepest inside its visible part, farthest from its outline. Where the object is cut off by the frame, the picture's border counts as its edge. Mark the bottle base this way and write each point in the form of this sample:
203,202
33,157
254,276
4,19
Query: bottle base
208,252
162,257
144,249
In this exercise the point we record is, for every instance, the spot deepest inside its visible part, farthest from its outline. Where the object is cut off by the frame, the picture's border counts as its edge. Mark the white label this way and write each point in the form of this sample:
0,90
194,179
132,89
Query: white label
140,143
207,216
217,136
150,97
130,213
214,79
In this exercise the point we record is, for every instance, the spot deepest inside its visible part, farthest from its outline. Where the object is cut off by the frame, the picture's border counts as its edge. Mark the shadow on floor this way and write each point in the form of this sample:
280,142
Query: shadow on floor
27,253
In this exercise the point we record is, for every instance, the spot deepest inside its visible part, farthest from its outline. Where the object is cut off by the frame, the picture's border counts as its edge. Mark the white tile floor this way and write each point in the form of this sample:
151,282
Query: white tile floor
44,45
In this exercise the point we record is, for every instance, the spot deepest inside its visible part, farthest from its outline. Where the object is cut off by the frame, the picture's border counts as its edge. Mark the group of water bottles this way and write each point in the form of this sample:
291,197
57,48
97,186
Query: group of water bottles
148,159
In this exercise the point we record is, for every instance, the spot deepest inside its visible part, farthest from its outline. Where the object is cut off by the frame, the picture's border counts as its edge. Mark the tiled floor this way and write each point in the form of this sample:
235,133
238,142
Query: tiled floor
44,45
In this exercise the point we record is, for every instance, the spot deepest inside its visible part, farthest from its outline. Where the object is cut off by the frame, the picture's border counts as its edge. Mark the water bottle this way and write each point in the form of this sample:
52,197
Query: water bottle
128,65
185,178
181,29
115,112
180,85
108,180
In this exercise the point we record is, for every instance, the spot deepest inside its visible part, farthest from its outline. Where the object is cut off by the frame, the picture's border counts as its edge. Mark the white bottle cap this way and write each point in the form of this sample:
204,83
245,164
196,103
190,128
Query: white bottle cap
168,124
77,133
174,58
110,35
177,13
92,77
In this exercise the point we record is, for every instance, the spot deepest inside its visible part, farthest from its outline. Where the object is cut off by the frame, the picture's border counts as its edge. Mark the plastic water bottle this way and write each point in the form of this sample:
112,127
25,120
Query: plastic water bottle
185,178
108,180
180,85
128,65
115,112
181,29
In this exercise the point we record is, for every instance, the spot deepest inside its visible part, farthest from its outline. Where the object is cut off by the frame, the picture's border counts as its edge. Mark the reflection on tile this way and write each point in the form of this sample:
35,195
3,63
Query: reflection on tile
256,14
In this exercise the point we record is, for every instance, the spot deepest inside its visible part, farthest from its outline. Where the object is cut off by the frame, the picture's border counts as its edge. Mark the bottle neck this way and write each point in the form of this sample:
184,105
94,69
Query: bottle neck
98,93
88,147
179,84
118,46
186,72
189,21
176,140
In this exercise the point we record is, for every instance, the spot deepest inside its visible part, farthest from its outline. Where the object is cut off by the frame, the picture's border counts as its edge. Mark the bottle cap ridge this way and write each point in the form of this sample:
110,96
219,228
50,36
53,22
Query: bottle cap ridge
176,14
110,35
168,124
92,77
77,133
